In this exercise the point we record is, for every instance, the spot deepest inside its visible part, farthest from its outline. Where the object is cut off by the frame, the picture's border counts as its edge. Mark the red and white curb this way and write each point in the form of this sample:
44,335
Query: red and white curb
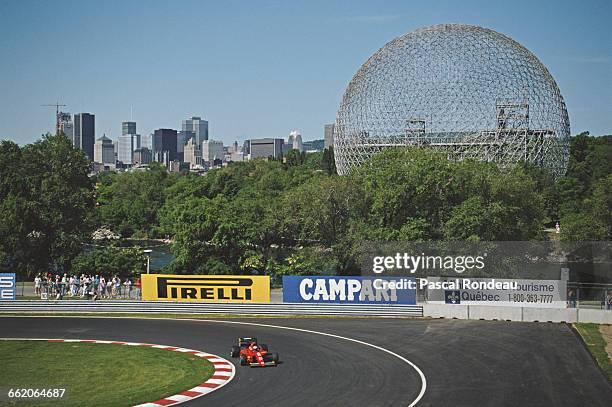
223,374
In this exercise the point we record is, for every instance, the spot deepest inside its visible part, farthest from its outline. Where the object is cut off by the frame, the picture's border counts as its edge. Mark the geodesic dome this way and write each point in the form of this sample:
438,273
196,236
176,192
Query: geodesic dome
468,91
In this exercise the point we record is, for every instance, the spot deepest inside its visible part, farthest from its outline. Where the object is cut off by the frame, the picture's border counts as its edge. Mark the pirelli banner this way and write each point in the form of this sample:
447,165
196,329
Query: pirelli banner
205,288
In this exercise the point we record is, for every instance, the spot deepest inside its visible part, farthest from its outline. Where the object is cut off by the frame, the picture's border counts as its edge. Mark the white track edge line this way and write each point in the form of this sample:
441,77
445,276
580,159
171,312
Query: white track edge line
411,364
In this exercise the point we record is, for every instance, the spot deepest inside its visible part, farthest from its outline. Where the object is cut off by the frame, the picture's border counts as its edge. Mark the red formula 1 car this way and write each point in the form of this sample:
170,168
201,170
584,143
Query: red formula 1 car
252,354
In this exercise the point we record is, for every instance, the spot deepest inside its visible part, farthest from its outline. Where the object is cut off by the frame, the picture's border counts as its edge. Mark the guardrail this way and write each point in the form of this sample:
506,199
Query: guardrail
166,307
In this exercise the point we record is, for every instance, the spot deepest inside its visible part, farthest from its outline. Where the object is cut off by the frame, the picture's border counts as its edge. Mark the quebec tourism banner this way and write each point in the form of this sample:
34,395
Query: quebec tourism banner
355,290
492,291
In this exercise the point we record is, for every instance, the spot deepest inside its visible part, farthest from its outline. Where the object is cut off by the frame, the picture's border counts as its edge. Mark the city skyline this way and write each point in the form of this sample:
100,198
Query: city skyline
259,69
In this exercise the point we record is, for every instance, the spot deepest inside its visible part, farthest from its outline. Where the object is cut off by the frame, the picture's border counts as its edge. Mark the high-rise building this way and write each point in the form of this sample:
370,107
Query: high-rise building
104,152
212,150
128,128
237,156
127,143
329,135
142,156
65,124
198,126
85,133
266,147
181,139
164,140
295,141
192,153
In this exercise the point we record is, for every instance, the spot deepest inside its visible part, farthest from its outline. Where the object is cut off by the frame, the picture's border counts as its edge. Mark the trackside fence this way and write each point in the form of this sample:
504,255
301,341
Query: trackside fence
164,307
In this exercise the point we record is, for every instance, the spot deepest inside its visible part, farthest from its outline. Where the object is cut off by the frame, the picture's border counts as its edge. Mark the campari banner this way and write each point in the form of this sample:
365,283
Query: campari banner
349,290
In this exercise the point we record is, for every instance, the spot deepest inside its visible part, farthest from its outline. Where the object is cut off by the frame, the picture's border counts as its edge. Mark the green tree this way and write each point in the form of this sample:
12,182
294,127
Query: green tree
128,203
111,261
328,161
45,202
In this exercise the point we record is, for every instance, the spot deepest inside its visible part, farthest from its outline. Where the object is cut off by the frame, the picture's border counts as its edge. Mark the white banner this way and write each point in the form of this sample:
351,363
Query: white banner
492,291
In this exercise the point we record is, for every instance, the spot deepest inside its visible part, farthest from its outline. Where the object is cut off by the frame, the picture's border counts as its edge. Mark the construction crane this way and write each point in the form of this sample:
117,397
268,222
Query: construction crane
57,117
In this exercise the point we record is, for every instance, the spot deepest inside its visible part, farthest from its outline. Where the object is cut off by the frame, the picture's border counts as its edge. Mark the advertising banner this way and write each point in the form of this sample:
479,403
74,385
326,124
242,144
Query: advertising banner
349,290
493,291
8,286
205,288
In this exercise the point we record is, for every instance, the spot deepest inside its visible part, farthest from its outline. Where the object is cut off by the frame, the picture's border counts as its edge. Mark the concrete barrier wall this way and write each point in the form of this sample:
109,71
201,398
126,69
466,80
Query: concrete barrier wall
495,312
550,314
527,314
445,311
596,316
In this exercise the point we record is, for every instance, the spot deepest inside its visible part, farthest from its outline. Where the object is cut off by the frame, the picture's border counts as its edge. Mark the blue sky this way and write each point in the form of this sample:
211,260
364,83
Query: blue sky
259,68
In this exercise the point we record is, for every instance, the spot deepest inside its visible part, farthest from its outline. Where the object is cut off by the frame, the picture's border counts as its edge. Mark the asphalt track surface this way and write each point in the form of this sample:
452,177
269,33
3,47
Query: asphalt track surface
466,363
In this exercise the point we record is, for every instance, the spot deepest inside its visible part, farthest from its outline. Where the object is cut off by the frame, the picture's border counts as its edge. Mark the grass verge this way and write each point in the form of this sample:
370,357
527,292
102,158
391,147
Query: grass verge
597,346
97,374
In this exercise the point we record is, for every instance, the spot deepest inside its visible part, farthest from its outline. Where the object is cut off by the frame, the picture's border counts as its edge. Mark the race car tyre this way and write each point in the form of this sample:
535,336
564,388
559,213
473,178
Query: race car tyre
235,351
274,357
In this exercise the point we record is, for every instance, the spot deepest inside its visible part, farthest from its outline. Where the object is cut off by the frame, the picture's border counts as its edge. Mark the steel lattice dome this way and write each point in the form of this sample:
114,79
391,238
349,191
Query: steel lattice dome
466,90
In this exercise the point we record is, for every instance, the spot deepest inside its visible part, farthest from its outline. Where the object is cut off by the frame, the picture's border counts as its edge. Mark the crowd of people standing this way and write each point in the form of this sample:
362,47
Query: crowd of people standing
85,286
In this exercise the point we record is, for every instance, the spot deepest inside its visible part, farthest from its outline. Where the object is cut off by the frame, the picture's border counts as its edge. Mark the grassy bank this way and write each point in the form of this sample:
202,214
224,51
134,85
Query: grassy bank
97,374
597,345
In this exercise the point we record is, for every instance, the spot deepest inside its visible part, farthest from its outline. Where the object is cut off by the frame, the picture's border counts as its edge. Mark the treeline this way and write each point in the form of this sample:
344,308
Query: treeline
582,200
46,204
295,216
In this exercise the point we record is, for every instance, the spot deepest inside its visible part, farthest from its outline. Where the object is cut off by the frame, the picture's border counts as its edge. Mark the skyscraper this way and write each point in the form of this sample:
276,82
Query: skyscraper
85,133
147,141
142,156
295,141
127,143
198,126
266,147
65,124
329,135
212,150
104,152
183,137
192,153
164,140
126,147
128,128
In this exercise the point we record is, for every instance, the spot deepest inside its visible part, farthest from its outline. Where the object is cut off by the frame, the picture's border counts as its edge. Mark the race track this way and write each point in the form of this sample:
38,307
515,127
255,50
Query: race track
466,363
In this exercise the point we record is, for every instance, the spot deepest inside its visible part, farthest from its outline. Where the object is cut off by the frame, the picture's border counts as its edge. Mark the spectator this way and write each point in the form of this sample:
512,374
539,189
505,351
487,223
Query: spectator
71,285
137,285
58,287
102,287
128,287
114,287
571,296
609,301
37,284
118,286
64,284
